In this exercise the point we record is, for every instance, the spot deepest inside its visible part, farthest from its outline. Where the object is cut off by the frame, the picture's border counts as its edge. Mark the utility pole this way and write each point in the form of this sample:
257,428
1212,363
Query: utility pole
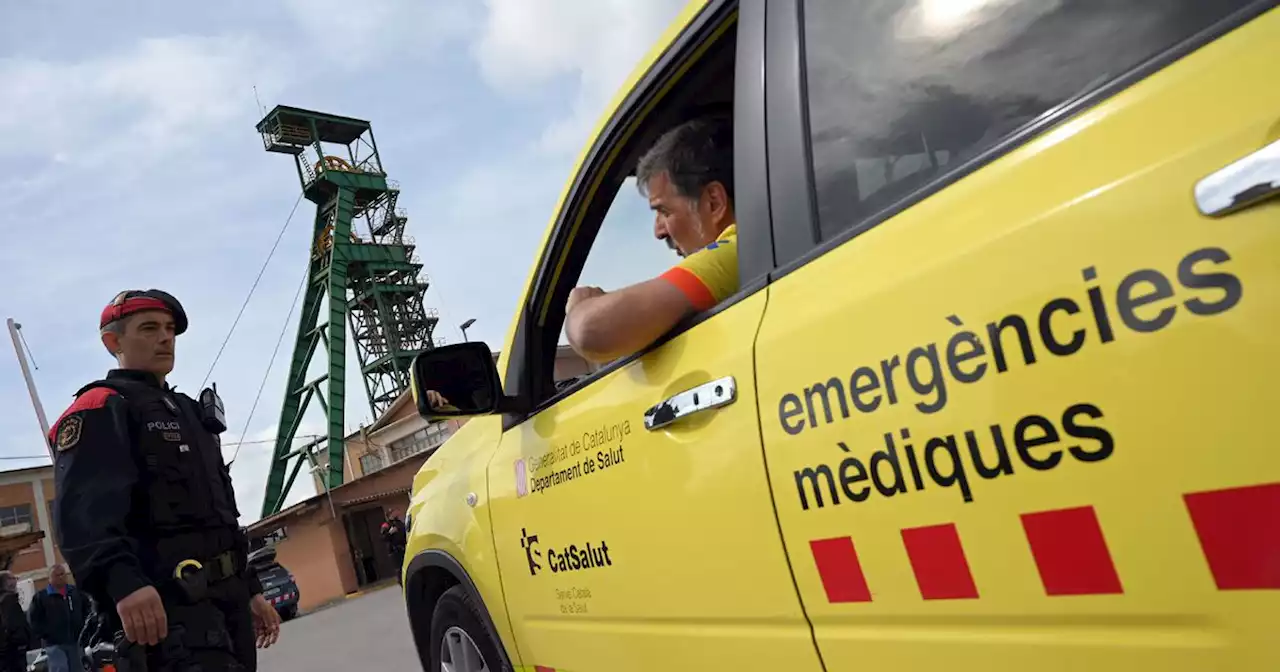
42,502
31,384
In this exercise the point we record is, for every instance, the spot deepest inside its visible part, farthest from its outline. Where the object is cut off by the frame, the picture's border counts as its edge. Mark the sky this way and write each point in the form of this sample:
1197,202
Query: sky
129,160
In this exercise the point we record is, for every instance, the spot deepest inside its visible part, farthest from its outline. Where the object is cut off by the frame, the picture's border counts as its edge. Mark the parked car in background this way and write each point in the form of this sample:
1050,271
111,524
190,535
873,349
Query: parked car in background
278,586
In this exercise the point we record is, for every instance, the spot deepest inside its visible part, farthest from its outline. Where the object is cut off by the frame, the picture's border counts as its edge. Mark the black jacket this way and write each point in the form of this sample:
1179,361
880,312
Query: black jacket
394,535
141,486
15,632
57,620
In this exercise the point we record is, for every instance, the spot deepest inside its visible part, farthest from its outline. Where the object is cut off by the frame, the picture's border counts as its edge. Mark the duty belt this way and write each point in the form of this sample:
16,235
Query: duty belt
195,577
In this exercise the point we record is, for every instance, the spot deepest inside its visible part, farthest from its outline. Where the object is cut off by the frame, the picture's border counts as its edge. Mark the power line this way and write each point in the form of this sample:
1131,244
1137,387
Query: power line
305,277
260,441
251,290
30,356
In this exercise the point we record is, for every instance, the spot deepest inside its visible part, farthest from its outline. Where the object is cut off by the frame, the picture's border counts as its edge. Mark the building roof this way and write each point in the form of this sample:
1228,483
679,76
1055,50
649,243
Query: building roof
405,399
317,500
11,545
19,470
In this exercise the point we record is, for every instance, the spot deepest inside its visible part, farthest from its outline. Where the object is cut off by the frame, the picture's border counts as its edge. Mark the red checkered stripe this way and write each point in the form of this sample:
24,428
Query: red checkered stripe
1238,530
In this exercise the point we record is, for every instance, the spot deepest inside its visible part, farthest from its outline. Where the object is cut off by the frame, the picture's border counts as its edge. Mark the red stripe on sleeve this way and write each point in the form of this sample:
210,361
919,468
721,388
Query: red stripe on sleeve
691,285
93,399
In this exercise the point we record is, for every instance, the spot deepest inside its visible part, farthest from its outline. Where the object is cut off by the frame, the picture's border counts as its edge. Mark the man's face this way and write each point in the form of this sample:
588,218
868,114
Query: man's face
58,577
677,220
147,343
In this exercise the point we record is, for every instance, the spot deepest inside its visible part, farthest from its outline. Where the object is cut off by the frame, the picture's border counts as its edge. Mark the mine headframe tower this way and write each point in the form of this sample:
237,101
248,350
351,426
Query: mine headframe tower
374,283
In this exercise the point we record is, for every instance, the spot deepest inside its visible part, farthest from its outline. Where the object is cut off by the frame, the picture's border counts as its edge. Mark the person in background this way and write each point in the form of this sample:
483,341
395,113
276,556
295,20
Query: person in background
57,616
15,632
393,534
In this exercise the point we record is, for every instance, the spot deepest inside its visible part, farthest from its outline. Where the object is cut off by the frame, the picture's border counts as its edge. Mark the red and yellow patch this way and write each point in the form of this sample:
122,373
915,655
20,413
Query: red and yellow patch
69,431
66,431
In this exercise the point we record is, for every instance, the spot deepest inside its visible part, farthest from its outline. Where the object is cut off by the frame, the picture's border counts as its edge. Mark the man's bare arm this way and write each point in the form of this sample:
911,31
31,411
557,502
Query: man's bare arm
605,326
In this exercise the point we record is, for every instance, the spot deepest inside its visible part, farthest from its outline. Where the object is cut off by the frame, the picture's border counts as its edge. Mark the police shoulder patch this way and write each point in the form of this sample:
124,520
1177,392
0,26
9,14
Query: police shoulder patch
69,431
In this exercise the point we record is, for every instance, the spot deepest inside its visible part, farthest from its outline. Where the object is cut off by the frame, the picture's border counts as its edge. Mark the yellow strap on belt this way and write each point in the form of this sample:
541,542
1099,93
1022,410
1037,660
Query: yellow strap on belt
177,571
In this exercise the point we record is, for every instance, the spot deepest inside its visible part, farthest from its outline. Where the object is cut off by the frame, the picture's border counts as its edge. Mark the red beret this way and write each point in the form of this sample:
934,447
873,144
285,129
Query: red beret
136,301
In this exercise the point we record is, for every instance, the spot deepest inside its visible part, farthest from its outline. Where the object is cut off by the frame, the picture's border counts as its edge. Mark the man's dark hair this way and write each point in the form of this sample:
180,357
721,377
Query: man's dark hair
693,155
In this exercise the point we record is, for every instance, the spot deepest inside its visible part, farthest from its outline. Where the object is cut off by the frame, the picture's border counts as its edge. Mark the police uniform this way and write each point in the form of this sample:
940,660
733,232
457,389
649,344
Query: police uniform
144,498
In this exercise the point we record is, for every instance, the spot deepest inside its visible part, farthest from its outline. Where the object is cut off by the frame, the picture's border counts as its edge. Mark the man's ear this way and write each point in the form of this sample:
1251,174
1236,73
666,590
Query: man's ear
111,341
715,198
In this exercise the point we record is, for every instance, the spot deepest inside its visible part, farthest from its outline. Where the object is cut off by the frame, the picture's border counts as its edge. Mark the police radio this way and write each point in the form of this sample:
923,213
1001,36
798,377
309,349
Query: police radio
212,415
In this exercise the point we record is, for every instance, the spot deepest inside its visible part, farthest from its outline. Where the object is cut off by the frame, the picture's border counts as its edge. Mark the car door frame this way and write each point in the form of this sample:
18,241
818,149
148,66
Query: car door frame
528,376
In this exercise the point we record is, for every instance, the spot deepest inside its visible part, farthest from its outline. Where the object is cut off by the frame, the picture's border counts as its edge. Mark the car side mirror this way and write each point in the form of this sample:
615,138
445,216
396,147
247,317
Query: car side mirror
456,381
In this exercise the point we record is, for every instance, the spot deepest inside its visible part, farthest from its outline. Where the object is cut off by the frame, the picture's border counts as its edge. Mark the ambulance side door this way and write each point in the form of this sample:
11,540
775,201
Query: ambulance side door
1016,373
631,510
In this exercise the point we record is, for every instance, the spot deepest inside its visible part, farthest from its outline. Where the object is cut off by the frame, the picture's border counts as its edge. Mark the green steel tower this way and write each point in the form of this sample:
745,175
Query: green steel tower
372,282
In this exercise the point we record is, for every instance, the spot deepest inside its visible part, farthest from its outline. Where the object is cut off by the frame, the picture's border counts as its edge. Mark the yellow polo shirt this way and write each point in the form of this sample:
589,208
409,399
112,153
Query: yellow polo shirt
709,275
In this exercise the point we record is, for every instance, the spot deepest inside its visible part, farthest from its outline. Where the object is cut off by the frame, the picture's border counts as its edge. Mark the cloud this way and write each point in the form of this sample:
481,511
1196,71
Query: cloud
354,36
140,105
594,43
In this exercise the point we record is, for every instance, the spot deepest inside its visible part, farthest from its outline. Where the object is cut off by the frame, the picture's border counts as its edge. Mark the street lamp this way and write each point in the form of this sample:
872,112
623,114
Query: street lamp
464,327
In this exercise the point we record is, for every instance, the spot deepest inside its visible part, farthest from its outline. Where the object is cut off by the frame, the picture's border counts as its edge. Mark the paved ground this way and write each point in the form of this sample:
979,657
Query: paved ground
367,633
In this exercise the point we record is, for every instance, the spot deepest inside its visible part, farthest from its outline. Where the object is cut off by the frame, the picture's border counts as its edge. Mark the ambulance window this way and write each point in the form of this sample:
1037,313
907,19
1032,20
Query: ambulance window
613,243
901,92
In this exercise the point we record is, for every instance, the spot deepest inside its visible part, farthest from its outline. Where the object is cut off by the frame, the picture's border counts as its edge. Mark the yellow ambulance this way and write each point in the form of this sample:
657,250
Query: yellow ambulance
995,391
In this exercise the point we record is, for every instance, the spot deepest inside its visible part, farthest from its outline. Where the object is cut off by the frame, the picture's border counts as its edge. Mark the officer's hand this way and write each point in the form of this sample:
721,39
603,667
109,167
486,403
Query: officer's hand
143,617
266,621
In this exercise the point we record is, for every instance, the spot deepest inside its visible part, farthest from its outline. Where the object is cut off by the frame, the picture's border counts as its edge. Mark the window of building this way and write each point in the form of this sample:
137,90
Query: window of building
370,462
15,515
901,91
427,438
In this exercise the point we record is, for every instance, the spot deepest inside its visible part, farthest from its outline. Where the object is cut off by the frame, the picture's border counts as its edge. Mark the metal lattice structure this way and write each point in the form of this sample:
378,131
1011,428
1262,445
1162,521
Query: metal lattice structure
375,283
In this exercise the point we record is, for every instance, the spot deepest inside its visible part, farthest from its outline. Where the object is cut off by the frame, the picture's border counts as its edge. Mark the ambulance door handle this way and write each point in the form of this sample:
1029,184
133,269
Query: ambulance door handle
704,397
1248,181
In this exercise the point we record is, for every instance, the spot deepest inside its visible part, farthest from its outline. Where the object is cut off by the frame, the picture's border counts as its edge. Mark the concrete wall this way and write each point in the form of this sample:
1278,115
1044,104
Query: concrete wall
312,550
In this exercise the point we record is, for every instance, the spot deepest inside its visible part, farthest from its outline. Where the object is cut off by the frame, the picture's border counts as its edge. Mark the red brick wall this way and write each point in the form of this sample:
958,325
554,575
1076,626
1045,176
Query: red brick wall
32,557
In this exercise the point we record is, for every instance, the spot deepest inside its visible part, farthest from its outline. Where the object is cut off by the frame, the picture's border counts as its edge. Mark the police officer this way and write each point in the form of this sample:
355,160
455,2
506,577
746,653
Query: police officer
145,512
